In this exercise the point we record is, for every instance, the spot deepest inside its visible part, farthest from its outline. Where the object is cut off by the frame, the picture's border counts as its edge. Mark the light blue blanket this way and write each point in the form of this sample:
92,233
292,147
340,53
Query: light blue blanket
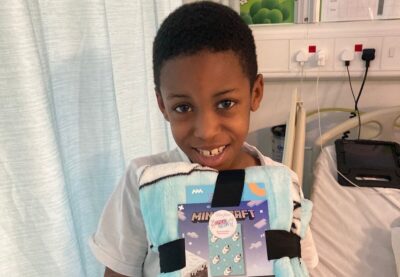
163,188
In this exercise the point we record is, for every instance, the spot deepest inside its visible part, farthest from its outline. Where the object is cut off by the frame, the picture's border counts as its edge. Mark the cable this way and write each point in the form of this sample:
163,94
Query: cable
346,110
362,85
318,107
368,54
356,112
347,63
301,58
347,56
301,81
358,99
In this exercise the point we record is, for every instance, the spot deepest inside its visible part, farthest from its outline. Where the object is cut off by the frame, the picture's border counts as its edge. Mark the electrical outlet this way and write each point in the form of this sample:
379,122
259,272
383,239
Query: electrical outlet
315,49
390,53
355,46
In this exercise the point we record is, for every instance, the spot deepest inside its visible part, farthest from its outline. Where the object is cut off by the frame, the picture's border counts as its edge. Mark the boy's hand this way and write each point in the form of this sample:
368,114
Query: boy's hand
110,273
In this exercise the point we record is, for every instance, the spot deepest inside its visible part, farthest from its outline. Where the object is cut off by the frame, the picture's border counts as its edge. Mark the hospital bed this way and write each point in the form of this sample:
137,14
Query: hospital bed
356,229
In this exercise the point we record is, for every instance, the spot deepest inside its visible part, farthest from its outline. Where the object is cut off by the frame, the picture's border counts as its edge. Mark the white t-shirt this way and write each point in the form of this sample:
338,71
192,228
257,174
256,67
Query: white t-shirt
120,242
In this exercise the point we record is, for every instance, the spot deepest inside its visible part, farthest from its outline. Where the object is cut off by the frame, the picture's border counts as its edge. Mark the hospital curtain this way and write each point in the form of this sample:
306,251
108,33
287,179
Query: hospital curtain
76,104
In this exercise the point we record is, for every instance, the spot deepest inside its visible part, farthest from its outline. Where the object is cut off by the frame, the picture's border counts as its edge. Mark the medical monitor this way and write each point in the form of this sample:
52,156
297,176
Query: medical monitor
368,163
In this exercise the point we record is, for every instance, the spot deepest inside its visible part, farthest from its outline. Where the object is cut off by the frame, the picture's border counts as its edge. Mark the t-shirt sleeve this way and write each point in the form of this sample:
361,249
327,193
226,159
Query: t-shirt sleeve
120,242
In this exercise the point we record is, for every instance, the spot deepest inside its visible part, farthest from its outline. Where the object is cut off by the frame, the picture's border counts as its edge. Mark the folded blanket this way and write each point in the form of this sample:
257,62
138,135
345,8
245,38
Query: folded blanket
163,188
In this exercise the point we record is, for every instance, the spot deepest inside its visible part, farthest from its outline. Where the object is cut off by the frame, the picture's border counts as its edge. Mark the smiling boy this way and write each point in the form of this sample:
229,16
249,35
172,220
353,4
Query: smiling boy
206,83
207,98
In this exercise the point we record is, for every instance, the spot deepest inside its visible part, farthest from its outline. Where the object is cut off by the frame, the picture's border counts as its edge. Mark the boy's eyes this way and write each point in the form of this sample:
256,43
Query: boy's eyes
226,104
184,108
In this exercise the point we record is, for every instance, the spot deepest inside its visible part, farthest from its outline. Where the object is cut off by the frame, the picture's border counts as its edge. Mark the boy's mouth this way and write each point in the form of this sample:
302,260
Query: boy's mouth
211,158
212,152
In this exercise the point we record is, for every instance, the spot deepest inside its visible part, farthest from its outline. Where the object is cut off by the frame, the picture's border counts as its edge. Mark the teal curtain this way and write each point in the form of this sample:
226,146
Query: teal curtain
76,104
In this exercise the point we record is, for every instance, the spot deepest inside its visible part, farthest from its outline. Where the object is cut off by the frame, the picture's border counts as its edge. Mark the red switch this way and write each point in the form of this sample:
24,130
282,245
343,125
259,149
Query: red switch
312,49
358,48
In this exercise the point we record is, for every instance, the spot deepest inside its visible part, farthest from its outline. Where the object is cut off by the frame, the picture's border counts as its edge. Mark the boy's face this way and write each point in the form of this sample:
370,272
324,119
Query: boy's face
207,100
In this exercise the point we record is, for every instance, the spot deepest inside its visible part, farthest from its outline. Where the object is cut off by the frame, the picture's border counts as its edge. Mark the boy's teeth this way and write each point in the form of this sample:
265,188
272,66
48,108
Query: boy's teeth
213,152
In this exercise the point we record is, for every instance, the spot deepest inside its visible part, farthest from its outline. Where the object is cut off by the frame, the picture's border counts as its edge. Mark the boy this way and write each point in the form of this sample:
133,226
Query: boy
206,82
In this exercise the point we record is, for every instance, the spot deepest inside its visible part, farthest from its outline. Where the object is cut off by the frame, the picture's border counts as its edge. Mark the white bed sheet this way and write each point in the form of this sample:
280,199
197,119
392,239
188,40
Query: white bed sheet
352,226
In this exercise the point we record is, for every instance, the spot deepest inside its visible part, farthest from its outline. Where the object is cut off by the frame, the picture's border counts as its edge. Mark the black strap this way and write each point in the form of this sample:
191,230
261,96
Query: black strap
281,243
172,256
228,188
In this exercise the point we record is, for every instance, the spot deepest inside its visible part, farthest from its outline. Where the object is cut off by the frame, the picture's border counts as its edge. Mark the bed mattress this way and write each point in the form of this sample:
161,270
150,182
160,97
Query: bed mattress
352,226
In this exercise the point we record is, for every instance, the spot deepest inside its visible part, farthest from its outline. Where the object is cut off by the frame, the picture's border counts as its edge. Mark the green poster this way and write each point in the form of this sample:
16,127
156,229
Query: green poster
267,11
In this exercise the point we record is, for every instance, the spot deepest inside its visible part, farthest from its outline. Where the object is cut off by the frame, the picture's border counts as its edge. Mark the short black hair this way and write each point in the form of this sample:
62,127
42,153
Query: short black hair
204,25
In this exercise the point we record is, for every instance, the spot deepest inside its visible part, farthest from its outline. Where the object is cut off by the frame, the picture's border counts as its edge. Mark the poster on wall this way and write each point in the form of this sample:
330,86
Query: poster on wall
267,11
345,10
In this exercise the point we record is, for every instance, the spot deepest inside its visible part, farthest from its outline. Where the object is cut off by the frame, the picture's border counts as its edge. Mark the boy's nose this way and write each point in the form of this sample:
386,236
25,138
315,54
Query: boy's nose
206,126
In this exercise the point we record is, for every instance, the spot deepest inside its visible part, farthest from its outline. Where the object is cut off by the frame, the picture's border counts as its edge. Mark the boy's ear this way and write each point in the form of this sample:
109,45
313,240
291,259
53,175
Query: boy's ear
161,105
257,92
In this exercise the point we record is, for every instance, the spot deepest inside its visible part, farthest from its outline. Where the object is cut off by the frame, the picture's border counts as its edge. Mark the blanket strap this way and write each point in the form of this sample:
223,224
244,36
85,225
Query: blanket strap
228,188
172,255
282,243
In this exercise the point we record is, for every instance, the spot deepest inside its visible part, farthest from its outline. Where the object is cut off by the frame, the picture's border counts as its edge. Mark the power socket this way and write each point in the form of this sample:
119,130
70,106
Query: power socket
313,60
345,50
